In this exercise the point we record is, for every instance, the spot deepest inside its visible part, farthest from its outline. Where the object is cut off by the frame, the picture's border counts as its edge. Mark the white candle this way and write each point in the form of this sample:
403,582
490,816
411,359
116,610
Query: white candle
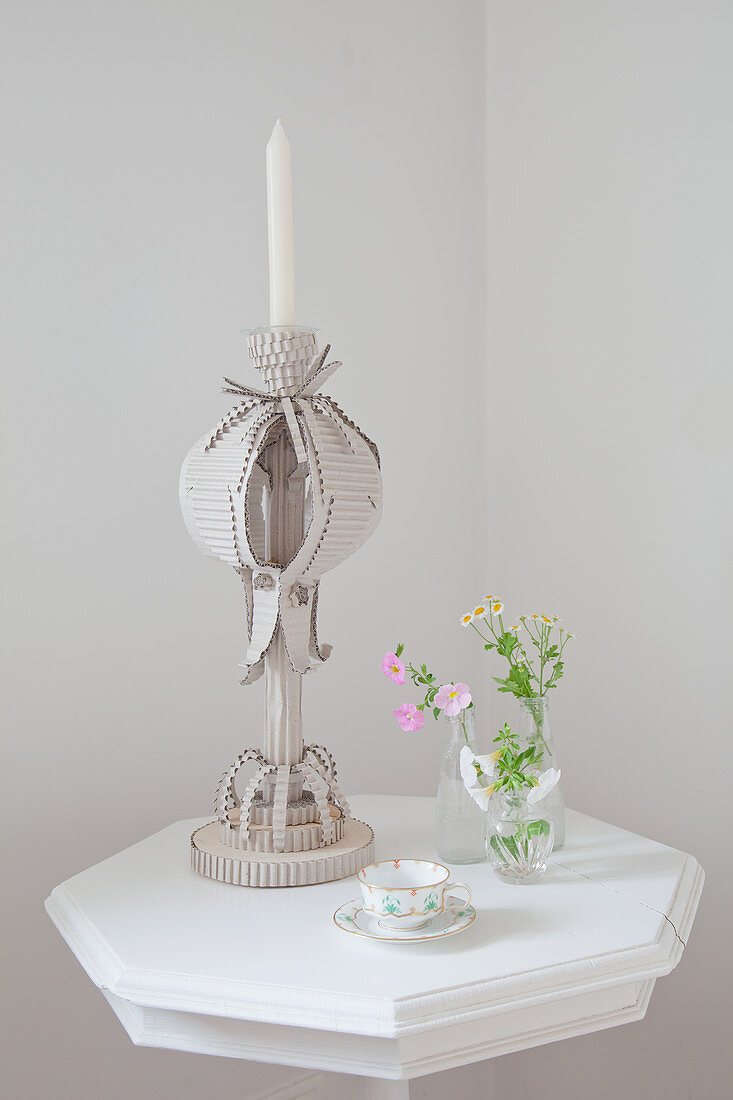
280,227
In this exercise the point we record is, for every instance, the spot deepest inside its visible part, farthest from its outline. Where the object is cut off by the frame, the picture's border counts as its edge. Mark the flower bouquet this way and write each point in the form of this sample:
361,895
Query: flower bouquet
534,648
508,785
449,699
459,825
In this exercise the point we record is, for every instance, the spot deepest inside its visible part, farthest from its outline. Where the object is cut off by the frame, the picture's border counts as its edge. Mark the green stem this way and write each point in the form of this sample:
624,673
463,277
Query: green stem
543,647
527,662
479,632
538,718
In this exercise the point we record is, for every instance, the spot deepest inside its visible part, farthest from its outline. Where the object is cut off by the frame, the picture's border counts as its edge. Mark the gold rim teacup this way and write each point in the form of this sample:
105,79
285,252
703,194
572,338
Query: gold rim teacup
407,893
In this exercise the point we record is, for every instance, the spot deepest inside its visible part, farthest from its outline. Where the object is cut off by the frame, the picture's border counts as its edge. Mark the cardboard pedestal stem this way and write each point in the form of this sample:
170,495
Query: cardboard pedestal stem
244,868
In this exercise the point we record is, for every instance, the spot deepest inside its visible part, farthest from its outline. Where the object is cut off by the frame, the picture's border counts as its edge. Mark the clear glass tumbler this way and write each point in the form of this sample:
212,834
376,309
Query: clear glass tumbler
520,838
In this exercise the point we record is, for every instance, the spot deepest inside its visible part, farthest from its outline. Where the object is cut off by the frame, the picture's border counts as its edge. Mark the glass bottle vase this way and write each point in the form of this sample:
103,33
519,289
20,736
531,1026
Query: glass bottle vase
520,838
534,729
460,825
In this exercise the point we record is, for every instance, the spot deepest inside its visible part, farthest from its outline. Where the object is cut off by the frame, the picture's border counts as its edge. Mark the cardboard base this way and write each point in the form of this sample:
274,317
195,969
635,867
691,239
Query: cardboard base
242,868
299,837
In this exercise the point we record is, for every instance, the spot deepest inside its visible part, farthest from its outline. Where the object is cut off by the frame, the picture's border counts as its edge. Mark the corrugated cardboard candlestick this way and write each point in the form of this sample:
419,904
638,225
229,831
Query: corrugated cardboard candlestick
285,488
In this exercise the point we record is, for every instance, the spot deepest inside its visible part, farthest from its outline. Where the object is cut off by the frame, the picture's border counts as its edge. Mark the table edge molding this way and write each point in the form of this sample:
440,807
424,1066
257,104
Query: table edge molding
374,1016
382,1057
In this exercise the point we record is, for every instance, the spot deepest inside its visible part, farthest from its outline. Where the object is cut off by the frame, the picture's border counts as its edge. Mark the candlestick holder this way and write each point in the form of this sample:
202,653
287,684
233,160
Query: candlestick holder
283,489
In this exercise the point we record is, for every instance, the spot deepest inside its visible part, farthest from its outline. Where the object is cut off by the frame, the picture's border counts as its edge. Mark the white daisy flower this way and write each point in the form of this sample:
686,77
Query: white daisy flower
546,783
496,607
480,611
466,619
516,628
546,620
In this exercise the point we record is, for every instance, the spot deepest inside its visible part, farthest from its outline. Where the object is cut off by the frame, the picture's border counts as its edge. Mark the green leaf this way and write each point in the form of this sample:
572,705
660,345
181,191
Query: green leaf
436,712
400,649
504,845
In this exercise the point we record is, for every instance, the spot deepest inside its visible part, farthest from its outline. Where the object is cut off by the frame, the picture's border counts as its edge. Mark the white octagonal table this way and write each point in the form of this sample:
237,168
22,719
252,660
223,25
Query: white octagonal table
191,964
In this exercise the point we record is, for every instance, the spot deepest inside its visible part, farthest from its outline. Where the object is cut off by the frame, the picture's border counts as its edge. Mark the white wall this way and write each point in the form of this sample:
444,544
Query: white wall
610,237
588,470
137,245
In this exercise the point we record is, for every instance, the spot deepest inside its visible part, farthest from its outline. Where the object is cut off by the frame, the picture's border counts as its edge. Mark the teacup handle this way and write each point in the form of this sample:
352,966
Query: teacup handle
459,904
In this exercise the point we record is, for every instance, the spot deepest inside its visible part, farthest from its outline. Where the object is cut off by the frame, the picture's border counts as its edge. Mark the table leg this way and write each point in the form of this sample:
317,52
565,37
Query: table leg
376,1088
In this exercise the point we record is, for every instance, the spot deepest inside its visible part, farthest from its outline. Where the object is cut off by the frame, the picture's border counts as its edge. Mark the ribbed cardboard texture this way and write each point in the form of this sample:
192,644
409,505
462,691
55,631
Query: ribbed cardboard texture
284,489
224,501
347,856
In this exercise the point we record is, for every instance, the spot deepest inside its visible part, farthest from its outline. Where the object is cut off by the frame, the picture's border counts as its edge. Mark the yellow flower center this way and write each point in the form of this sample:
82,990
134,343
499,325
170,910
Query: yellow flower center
479,611
497,607
453,695
395,668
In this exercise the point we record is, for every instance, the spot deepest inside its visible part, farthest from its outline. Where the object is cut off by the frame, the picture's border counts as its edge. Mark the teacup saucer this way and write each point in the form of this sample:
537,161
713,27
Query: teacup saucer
353,918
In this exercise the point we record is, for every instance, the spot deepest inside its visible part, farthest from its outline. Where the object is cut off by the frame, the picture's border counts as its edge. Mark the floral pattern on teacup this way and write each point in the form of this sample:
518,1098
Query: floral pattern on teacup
390,905
431,902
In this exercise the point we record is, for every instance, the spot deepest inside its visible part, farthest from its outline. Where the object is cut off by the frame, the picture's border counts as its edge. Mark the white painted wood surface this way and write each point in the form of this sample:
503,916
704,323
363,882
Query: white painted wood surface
191,964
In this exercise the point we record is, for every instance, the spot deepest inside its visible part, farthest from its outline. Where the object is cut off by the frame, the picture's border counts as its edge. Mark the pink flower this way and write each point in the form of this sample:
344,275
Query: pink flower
409,717
392,666
453,698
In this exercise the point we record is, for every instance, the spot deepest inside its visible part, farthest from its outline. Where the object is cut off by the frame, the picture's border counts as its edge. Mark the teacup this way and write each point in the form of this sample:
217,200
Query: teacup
407,893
